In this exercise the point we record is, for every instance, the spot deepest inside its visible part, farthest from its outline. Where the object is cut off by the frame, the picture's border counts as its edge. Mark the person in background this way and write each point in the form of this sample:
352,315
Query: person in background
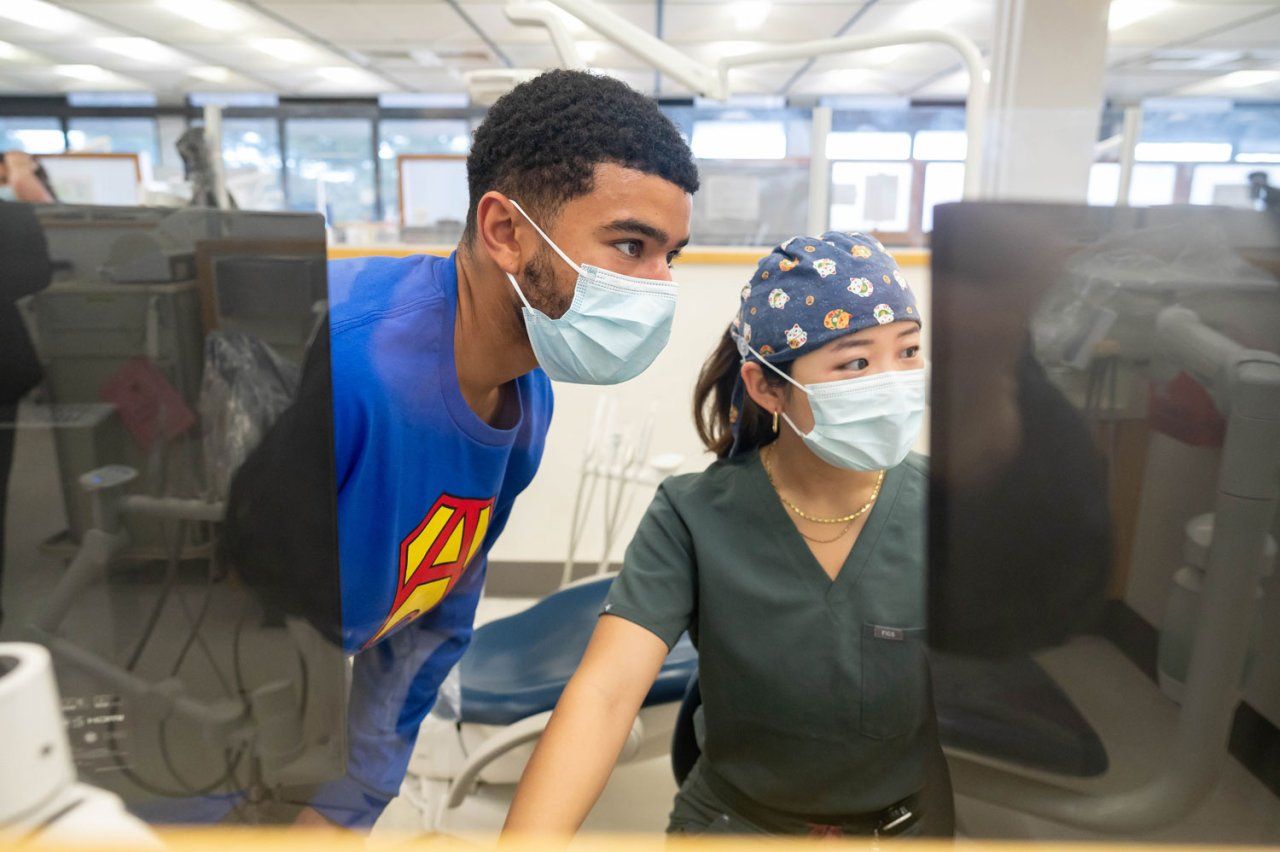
580,199
1262,194
22,178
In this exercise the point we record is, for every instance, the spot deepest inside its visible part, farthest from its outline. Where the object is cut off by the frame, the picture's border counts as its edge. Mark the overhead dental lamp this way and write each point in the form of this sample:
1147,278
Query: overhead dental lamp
715,81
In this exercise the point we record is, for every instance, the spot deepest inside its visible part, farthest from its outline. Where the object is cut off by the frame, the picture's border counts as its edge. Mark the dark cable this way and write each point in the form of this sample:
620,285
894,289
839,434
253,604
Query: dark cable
228,776
235,652
171,577
196,623
197,636
135,778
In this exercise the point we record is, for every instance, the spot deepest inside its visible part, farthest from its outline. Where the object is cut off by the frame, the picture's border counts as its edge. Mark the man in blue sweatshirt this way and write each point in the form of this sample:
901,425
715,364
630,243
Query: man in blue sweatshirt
580,199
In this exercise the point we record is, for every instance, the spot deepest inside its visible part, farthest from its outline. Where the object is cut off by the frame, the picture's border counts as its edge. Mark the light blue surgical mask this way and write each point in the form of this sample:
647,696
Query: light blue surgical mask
614,328
6,193
866,423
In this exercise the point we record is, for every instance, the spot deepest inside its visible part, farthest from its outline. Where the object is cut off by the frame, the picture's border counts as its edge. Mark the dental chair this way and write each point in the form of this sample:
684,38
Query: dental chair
508,683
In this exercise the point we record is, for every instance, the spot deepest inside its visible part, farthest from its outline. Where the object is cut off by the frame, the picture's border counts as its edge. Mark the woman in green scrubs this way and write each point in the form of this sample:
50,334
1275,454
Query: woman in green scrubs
796,562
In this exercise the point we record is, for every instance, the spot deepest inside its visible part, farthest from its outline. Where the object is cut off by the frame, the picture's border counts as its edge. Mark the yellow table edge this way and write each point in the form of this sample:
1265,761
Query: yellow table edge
322,840
695,256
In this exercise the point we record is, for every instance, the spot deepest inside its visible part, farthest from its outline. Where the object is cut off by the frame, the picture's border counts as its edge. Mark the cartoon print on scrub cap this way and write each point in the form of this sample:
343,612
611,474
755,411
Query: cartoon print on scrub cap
824,294
818,289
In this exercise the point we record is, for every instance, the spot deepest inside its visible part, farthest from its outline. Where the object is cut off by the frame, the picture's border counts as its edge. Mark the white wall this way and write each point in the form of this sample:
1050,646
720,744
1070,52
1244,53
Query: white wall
539,527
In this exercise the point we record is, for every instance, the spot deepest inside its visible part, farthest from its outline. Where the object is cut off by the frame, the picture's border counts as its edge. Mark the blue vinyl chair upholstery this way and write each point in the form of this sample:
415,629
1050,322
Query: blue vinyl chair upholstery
517,666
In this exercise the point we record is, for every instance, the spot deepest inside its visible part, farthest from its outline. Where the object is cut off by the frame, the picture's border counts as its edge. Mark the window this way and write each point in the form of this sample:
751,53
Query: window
871,197
117,136
251,158
751,203
423,100
435,200
1183,152
169,167
398,136
233,99
739,140
38,135
940,145
329,167
869,146
1104,184
943,183
1152,184
1228,185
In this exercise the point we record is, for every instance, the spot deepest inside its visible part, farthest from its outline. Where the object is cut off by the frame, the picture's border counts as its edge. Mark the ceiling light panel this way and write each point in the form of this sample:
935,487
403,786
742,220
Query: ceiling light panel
417,24
346,75
289,50
211,73
689,24
1247,79
92,77
937,13
1125,13
40,15
215,15
748,16
1157,24
139,49
87,73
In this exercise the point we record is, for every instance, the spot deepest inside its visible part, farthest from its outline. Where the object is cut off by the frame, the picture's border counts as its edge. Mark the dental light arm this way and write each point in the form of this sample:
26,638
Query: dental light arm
694,75
544,15
975,105
714,82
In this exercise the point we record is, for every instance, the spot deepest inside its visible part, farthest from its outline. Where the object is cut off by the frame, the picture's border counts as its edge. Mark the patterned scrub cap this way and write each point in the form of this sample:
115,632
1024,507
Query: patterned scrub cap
810,291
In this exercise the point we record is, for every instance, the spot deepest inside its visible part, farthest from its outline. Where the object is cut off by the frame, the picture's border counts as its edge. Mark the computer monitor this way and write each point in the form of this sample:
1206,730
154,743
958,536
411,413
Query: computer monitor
1105,463
147,352
1054,367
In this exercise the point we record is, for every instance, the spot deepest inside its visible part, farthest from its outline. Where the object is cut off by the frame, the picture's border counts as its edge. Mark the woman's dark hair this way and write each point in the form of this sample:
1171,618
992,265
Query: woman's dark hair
713,402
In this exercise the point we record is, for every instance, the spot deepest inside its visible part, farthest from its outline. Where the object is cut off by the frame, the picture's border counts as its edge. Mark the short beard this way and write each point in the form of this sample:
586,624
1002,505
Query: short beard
538,281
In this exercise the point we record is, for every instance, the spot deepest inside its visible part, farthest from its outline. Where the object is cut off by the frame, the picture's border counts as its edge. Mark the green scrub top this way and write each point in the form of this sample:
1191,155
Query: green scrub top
814,690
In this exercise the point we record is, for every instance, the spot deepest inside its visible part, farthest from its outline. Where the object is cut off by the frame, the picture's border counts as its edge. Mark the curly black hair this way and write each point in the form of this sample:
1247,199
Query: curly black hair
540,143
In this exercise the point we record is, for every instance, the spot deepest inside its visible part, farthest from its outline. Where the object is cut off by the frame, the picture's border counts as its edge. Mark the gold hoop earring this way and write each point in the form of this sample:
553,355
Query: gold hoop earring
775,422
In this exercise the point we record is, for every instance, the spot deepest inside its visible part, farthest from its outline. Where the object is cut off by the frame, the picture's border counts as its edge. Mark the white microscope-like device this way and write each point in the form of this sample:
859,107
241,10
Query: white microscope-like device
40,798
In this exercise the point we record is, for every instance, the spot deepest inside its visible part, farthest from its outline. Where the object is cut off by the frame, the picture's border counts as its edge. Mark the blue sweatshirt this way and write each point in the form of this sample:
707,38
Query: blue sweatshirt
424,488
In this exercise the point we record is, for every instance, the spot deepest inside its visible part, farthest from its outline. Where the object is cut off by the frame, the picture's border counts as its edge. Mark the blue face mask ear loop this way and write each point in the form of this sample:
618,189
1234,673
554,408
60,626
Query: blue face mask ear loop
547,240
741,344
740,390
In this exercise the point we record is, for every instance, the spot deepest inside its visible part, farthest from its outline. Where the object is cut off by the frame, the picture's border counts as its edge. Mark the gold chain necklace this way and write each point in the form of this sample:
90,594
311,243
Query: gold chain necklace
841,535
766,457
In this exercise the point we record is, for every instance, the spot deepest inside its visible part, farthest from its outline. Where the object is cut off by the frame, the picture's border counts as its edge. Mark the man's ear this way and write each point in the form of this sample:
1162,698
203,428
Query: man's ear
501,229
769,396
